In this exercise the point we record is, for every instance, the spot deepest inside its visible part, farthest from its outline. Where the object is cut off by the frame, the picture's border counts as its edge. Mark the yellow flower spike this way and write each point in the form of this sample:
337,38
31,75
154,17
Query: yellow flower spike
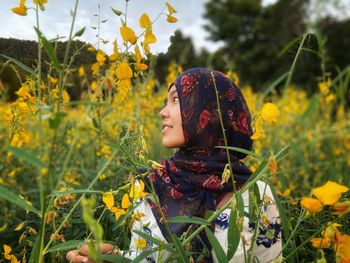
20,226
150,37
128,34
320,242
270,113
171,19
125,201
108,199
7,251
145,22
136,190
100,57
170,8
311,204
330,192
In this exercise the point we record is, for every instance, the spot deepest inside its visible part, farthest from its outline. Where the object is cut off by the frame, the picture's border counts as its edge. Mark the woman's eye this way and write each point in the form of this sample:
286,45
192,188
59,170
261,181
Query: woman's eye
176,99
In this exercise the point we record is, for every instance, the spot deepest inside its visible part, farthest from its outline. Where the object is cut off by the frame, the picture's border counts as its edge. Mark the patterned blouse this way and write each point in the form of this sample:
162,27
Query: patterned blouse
268,245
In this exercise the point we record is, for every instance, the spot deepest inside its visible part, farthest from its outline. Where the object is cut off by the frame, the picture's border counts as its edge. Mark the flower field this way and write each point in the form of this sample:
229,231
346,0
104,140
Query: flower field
69,168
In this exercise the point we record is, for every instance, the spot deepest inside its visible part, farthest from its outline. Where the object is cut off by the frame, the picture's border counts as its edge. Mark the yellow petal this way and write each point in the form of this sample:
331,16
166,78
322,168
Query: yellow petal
19,227
140,243
7,251
311,204
20,10
170,8
108,199
124,71
150,37
145,22
330,192
141,66
118,213
138,54
319,242
171,19
128,34
125,201
100,57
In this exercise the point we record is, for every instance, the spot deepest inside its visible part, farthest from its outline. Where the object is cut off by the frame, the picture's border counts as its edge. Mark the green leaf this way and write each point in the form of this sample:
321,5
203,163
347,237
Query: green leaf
179,249
144,254
116,259
289,45
27,156
117,12
79,33
49,50
188,220
18,63
271,86
34,255
233,235
219,252
237,149
16,200
66,245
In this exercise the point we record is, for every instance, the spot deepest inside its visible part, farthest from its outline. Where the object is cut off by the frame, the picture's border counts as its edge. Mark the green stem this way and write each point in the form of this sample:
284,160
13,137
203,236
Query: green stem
291,71
223,132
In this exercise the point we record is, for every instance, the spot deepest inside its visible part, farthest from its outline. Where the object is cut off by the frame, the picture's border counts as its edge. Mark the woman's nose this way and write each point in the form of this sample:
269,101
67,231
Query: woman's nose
164,113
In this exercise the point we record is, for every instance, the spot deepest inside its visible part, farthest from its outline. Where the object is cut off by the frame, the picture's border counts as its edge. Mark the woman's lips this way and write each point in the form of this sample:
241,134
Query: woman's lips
165,128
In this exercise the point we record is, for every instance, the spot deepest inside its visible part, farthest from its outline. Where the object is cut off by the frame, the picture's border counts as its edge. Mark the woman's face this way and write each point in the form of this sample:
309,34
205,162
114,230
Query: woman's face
172,124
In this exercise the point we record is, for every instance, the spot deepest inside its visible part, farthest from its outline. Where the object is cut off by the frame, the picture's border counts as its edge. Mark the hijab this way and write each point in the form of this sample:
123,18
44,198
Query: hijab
190,182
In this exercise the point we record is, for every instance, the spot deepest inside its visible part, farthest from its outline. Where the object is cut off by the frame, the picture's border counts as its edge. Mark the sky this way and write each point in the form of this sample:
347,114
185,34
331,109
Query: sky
56,20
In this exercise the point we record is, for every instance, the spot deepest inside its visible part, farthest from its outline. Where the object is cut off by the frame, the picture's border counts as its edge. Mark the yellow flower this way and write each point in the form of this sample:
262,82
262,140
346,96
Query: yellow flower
128,34
341,208
258,131
311,204
115,54
170,8
93,86
139,65
118,212
270,113
145,22
320,242
330,192
125,201
7,252
108,199
150,37
81,71
21,9
136,191
41,3
100,57
124,71
341,246
140,243
171,19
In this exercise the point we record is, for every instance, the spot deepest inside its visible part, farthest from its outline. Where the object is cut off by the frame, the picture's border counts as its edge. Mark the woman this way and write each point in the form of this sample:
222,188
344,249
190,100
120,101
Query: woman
190,182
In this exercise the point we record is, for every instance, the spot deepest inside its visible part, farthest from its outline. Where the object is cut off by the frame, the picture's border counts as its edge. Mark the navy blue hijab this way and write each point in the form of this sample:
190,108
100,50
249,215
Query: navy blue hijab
190,181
